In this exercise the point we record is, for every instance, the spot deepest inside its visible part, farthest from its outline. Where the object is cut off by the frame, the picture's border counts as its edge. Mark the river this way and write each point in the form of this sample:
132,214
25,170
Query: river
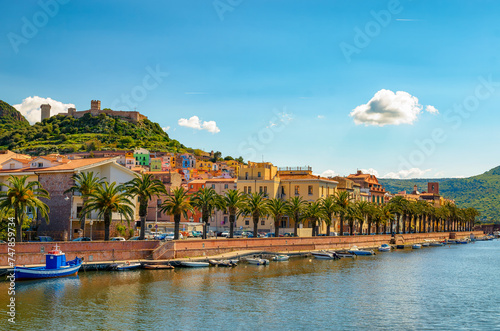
435,288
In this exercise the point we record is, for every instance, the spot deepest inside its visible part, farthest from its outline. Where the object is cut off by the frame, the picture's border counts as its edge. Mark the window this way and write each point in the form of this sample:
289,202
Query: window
158,215
260,189
246,175
265,190
158,202
310,190
283,224
191,186
247,222
226,186
262,222
213,185
245,189
225,220
283,190
259,175
296,189
202,186
249,190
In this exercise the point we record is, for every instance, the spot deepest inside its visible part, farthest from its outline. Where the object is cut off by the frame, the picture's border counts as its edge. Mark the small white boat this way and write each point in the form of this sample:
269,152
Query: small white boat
127,266
192,264
436,243
416,246
384,248
323,255
281,258
357,251
257,261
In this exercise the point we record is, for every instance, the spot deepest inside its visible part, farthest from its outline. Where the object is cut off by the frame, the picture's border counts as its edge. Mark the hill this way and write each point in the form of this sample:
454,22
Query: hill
481,192
63,134
11,118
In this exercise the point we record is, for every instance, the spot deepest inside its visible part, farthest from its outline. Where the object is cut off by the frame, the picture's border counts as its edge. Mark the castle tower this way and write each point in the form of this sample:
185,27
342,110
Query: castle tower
95,105
433,188
45,111
71,111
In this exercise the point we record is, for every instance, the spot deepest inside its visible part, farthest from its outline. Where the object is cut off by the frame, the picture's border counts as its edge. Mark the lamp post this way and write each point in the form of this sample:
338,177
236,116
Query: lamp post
70,216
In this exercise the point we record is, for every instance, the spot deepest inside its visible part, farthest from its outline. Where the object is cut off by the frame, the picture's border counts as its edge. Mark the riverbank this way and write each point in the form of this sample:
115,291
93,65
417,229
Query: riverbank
110,252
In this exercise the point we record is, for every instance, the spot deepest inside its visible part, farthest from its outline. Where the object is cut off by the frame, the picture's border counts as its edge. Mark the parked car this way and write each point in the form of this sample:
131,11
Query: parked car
238,234
160,236
346,234
117,239
82,239
269,235
134,238
248,234
196,234
225,234
44,239
334,234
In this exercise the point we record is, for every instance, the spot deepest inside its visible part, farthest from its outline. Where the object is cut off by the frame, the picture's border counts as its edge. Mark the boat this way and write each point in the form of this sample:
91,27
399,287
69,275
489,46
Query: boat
436,244
55,266
462,241
323,255
157,266
257,261
416,246
192,264
126,266
281,258
345,254
222,263
426,244
357,251
384,248
400,246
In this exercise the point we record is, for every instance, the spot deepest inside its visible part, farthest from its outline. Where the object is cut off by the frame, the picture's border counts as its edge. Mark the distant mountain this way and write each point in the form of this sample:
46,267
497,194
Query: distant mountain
481,192
10,117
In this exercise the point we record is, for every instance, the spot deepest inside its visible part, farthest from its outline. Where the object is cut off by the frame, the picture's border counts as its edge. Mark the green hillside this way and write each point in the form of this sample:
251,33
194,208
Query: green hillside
10,117
481,192
61,134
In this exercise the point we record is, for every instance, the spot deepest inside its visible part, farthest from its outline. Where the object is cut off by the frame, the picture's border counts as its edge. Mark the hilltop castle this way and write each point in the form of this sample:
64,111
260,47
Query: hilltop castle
95,110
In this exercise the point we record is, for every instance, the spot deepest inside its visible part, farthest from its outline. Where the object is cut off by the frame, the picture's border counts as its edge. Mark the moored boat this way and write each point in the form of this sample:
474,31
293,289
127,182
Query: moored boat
357,251
436,244
157,266
55,266
416,246
257,261
222,263
384,248
126,266
281,258
193,264
344,254
323,255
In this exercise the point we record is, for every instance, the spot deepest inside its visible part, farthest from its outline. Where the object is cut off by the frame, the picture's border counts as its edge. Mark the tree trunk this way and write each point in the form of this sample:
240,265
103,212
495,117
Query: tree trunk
232,218
276,228
143,212
397,224
205,217
82,217
328,232
19,226
341,225
107,223
177,223
255,225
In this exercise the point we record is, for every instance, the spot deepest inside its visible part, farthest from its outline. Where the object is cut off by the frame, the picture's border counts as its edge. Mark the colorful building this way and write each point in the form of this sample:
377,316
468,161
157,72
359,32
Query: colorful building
369,184
142,157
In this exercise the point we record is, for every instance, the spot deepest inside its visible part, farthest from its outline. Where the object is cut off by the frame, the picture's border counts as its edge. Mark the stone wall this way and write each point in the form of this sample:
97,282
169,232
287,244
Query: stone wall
60,209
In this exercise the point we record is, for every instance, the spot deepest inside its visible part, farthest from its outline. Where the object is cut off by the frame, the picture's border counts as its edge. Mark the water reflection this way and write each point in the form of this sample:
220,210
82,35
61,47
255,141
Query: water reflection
443,288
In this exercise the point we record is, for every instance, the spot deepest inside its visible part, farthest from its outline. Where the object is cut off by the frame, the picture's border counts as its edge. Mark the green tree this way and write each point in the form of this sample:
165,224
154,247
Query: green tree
21,195
314,214
329,208
234,203
177,204
109,199
206,200
256,206
277,209
85,183
144,187
295,207
342,200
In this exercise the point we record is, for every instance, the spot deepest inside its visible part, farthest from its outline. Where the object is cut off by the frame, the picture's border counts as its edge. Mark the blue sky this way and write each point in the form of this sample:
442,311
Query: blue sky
276,80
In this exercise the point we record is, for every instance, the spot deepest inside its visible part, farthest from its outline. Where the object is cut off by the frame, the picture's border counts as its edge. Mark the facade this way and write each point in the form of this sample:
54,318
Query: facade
369,185
142,157
156,164
127,160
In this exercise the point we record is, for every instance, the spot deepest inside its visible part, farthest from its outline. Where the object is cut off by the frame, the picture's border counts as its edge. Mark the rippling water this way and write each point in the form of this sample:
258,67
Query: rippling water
435,288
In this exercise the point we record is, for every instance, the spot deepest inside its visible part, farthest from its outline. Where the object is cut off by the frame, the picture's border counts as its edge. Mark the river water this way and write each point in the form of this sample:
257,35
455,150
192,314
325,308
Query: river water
435,288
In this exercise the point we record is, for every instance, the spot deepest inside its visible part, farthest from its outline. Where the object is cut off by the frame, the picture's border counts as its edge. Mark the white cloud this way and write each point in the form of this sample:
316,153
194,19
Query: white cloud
388,108
407,174
165,128
194,122
328,173
431,109
370,171
30,108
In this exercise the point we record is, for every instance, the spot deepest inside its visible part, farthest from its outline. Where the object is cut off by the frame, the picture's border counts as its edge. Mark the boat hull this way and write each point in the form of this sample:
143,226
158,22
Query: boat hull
23,273
195,264
323,256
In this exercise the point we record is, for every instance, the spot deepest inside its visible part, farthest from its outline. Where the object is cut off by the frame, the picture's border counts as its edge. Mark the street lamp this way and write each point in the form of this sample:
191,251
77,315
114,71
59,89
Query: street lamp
70,216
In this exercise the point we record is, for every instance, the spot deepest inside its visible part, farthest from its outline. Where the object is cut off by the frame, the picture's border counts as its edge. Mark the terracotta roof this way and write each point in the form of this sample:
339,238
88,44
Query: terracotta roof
70,165
25,161
222,180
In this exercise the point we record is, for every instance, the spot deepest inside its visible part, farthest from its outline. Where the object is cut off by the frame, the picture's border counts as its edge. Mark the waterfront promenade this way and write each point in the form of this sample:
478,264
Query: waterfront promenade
101,251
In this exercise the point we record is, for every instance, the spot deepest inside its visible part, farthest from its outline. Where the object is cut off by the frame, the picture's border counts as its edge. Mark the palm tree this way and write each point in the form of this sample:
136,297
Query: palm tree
233,201
364,210
352,215
387,216
342,200
85,183
20,196
471,215
109,199
277,208
144,187
206,200
422,208
314,213
398,204
295,207
177,204
256,206
329,208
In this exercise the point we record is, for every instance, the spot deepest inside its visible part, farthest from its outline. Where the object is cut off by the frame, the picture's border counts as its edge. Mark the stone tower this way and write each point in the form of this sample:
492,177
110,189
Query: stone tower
95,107
433,188
45,111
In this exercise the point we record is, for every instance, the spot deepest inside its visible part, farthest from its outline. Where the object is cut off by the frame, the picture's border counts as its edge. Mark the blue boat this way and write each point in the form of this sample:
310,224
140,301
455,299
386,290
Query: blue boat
355,250
55,266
